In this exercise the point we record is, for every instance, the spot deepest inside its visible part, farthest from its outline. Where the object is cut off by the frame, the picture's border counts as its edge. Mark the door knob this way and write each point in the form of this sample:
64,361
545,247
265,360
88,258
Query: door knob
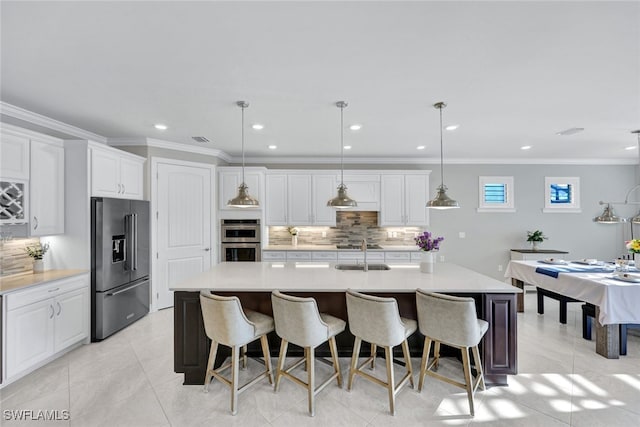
207,249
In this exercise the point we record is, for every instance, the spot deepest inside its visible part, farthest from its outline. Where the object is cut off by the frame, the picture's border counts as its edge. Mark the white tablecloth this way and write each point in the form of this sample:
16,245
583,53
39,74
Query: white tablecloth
619,301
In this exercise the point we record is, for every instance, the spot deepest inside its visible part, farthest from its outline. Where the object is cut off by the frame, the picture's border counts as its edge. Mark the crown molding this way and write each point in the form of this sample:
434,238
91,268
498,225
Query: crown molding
49,123
168,145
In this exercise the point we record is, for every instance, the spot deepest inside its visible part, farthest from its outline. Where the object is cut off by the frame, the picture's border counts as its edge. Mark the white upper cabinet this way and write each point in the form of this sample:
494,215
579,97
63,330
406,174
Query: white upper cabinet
47,188
403,199
230,178
276,199
364,189
300,198
115,173
14,155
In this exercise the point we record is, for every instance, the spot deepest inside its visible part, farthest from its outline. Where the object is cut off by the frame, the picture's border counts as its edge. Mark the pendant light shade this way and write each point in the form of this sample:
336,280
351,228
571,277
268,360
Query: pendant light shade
442,201
342,200
243,199
608,216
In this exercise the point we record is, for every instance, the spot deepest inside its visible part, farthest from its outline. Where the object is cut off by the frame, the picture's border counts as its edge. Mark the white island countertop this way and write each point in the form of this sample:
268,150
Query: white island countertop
324,277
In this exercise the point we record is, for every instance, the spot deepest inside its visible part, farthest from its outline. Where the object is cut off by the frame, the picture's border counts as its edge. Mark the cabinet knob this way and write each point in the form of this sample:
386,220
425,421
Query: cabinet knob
35,222
52,311
207,249
59,308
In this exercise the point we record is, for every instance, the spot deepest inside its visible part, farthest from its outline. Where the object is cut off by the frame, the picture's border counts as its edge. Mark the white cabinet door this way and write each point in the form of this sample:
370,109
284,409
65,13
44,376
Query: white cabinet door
365,190
71,318
392,203
230,179
276,199
324,189
29,335
105,173
47,189
299,199
131,178
416,197
14,155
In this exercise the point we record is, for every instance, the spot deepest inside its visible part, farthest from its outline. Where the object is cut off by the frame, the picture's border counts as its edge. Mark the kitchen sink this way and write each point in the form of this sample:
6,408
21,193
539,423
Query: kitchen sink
360,267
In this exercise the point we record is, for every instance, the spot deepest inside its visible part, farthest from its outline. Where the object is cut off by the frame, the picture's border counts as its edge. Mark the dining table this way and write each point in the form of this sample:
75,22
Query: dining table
614,293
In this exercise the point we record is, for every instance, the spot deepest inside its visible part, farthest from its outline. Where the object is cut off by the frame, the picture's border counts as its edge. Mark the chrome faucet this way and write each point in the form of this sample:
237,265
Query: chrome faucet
364,249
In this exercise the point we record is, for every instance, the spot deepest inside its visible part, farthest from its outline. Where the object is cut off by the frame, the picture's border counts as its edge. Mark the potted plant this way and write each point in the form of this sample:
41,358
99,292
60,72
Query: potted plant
37,252
427,245
535,237
293,231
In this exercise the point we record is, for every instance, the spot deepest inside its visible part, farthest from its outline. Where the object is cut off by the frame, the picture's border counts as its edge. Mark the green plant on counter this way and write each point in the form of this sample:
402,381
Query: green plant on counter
535,236
37,251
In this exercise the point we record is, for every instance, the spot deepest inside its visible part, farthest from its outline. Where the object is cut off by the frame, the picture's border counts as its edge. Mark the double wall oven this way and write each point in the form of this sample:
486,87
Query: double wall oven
240,240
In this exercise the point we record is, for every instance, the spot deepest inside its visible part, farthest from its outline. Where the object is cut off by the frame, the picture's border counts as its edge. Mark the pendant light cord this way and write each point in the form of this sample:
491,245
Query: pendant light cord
341,144
441,153
242,136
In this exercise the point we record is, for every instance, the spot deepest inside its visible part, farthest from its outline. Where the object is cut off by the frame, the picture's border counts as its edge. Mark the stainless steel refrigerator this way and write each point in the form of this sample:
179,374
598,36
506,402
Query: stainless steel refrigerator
120,280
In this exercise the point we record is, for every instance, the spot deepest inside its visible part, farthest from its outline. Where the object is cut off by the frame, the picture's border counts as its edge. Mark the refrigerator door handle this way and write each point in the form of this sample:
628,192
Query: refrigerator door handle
110,294
134,237
129,251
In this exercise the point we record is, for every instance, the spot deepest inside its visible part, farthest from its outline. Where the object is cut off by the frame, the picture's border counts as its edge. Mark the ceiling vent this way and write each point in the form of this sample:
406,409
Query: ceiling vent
200,139
570,131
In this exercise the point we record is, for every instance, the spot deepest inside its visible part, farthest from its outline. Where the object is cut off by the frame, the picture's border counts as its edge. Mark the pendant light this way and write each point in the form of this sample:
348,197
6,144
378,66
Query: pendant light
342,200
442,201
608,216
243,199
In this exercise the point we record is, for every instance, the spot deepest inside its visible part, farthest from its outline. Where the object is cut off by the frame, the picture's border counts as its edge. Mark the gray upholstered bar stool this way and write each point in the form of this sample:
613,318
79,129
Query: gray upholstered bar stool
377,320
226,323
452,321
299,322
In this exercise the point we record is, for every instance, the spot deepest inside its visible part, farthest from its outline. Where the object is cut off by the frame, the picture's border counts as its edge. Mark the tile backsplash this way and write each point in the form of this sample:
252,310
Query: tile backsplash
351,228
13,258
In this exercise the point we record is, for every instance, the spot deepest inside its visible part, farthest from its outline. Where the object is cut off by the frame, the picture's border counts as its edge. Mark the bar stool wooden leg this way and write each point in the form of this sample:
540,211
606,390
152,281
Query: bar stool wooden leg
407,360
267,358
466,367
425,359
479,373
235,361
436,355
311,385
281,357
212,358
334,356
354,361
374,349
388,355
244,356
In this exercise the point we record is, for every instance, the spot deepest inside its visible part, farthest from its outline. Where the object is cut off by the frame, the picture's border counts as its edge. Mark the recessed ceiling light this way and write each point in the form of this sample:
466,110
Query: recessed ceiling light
355,127
420,147
160,126
570,131
525,147
452,127
273,147
257,126
633,147
347,147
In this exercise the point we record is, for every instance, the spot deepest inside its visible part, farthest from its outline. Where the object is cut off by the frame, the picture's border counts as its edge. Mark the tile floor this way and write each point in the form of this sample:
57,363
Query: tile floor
128,380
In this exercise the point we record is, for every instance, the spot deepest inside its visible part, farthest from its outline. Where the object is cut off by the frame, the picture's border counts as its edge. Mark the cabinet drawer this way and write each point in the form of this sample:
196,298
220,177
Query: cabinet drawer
41,292
295,256
324,256
416,256
274,256
371,256
397,256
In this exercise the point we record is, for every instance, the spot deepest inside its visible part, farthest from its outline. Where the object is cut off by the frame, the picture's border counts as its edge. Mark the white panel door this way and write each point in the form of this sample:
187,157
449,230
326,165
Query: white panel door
324,189
416,197
29,335
299,199
47,189
183,227
276,199
392,212
71,320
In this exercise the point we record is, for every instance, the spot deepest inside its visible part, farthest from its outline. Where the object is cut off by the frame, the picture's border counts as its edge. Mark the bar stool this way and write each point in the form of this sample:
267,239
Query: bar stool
452,321
226,323
299,322
377,320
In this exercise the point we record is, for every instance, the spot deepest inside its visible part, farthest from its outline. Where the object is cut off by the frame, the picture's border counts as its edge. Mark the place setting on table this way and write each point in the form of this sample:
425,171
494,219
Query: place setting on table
620,269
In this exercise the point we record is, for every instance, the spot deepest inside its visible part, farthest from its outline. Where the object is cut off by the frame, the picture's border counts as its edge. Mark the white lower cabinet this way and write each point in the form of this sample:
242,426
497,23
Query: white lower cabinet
44,320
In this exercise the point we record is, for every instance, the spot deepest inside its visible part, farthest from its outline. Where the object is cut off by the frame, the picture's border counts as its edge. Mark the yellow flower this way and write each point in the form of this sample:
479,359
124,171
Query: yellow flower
633,246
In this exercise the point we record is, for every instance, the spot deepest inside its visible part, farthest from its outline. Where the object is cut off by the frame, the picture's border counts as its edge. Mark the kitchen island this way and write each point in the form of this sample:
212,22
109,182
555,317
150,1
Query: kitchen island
253,283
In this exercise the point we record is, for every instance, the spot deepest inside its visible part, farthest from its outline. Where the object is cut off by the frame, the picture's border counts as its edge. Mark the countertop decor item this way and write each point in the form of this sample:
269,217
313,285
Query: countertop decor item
633,246
294,235
442,201
428,245
342,200
37,252
535,238
243,199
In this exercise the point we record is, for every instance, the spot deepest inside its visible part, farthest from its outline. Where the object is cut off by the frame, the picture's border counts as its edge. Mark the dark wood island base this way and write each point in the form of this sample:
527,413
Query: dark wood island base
191,345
